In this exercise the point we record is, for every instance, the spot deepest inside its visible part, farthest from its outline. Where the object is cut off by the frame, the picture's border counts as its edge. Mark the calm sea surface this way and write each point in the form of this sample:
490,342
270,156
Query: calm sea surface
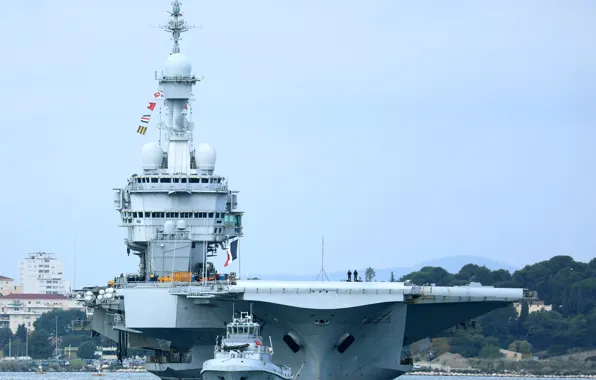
147,376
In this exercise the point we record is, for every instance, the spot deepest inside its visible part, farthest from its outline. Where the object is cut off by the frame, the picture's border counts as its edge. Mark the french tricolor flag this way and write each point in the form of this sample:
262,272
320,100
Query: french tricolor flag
232,252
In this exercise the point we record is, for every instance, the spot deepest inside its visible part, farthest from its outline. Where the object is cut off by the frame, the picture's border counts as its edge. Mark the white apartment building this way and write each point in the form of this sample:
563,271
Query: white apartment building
43,273
24,309
8,286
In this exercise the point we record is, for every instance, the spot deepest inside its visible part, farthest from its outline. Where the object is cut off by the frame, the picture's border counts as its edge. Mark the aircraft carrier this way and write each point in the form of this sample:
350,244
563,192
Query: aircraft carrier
178,213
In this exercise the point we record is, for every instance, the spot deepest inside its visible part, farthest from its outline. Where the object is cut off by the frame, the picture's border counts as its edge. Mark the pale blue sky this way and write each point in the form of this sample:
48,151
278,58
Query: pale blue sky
402,131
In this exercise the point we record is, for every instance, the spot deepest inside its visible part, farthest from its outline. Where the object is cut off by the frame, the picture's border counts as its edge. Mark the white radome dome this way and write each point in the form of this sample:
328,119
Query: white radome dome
169,227
206,157
152,156
178,65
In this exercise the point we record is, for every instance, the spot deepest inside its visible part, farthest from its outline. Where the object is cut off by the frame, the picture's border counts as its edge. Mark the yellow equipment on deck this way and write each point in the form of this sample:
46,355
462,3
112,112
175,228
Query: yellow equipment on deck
178,277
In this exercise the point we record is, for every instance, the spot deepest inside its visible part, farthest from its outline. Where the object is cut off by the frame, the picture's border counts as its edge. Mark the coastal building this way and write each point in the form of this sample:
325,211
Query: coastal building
43,273
533,307
8,286
25,308
511,355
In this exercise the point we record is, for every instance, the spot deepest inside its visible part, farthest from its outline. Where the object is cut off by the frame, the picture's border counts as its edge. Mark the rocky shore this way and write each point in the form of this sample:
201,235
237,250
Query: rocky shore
505,374
17,366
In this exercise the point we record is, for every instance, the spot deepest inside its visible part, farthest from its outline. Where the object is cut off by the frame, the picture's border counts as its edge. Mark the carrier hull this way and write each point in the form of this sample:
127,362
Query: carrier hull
362,340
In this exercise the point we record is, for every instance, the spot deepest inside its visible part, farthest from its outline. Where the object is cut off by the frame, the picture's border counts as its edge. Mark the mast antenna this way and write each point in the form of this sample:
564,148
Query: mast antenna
176,25
322,273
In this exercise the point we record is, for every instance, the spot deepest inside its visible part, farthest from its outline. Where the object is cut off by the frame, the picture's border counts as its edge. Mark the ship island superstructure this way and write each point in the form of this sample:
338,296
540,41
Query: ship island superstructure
179,212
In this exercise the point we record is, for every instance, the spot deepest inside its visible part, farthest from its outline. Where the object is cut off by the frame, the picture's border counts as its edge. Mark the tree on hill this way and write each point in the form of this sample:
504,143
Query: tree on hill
15,348
47,321
5,336
439,346
429,275
490,351
521,346
369,274
475,273
21,333
87,350
39,345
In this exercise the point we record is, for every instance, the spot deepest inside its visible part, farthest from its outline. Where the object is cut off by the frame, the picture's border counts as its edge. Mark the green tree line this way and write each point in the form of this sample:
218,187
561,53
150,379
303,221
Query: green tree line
568,285
42,340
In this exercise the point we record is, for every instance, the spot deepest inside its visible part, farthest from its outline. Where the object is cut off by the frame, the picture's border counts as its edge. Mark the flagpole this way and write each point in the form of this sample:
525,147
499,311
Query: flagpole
227,247
239,260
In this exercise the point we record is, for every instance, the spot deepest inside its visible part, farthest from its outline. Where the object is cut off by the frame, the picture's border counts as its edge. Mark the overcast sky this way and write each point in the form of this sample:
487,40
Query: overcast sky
401,131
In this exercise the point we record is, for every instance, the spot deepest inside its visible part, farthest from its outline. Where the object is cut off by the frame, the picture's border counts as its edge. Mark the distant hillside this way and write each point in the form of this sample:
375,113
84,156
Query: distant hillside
454,263
451,264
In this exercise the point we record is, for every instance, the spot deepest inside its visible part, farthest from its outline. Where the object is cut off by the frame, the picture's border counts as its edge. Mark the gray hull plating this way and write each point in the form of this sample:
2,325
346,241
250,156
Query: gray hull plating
378,331
330,330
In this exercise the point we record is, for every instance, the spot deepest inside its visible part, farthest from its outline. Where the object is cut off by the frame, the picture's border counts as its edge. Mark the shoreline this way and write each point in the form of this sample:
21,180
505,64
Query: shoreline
495,374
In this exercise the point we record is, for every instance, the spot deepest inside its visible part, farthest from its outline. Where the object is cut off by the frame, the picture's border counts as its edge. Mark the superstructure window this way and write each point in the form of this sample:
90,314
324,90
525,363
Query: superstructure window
183,215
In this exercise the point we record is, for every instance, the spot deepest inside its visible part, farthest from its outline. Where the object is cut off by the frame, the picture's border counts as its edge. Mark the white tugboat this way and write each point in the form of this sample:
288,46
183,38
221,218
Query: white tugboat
241,355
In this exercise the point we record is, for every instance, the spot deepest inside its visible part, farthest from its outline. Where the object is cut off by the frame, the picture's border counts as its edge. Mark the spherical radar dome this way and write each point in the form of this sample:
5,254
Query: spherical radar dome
152,156
178,65
206,157
169,227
